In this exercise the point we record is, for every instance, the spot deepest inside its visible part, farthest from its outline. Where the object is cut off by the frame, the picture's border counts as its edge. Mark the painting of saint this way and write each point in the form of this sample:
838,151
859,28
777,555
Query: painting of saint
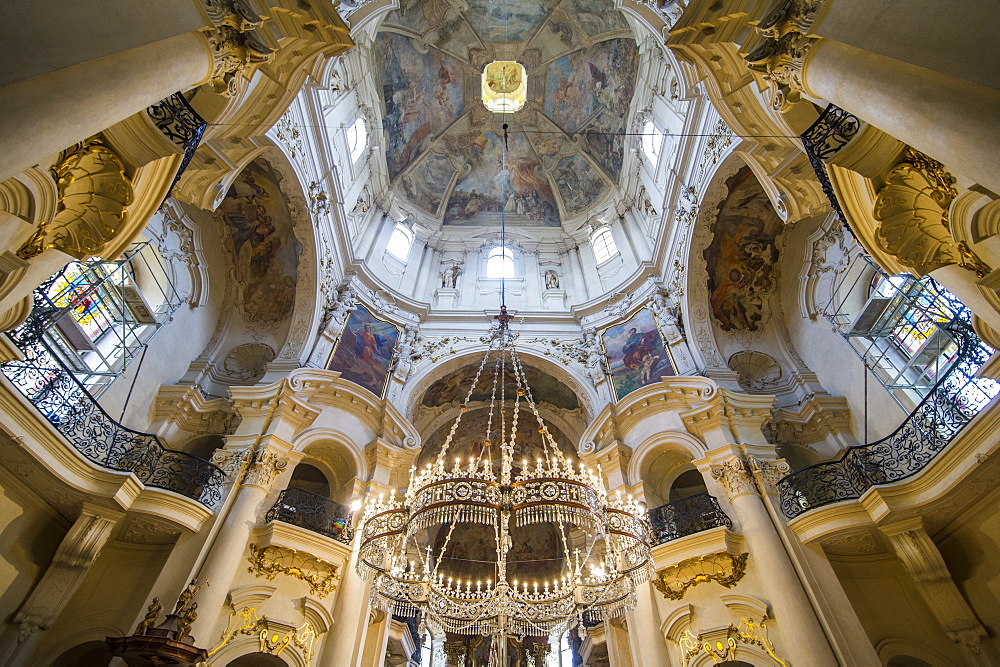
636,354
364,352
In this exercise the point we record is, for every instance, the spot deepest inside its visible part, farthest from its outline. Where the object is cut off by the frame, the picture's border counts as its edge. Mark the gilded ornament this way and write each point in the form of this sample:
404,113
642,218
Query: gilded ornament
723,568
246,621
912,208
270,561
93,195
747,632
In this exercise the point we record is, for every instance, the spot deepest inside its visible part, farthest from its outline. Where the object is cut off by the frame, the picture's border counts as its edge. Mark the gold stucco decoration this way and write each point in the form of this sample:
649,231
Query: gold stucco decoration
912,208
721,646
93,194
781,53
271,640
723,568
270,561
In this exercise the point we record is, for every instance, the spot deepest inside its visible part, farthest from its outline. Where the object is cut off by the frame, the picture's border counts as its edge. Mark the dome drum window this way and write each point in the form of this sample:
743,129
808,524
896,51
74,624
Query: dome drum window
603,243
357,138
400,243
505,86
500,263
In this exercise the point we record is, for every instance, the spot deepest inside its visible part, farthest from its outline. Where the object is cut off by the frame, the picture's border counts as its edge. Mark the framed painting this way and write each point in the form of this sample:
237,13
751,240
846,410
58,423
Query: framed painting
636,354
364,352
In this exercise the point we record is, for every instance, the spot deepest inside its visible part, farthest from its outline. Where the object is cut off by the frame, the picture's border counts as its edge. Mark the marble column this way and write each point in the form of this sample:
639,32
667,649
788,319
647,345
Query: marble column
226,555
952,120
46,114
803,639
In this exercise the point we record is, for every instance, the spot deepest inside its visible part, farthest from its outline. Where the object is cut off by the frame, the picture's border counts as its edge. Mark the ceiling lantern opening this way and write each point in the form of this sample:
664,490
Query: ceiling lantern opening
505,84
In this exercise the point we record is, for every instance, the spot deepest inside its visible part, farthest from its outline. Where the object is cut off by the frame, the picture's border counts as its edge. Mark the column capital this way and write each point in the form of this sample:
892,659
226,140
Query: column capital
741,476
781,55
236,46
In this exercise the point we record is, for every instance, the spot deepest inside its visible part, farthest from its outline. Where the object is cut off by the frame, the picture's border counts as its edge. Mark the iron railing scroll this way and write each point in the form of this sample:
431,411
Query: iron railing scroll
180,123
957,397
687,516
313,512
44,379
831,132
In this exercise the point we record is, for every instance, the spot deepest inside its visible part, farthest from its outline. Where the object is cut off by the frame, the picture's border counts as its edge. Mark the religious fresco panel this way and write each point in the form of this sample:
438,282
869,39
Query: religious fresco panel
476,198
595,17
422,94
578,85
508,21
364,352
742,259
425,185
636,355
579,184
265,252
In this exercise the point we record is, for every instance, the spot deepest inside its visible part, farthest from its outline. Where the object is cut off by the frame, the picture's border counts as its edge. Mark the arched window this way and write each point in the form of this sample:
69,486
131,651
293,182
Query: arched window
500,263
652,139
400,242
357,138
603,244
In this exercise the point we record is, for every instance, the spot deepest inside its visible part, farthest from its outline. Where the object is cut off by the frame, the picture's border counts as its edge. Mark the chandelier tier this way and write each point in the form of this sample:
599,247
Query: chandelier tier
411,544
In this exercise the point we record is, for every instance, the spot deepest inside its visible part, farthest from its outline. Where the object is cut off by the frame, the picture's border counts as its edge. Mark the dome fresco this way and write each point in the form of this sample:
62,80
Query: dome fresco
564,150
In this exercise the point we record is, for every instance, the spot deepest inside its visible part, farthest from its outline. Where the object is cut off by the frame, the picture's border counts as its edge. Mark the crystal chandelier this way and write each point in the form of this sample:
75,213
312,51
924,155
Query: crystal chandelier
412,548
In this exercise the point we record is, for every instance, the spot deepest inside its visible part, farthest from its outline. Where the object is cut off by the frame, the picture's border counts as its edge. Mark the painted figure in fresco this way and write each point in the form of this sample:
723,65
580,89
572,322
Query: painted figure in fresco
368,345
647,366
637,346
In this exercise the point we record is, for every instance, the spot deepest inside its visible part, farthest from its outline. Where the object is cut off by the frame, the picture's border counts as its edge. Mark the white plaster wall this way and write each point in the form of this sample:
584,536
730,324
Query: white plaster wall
30,533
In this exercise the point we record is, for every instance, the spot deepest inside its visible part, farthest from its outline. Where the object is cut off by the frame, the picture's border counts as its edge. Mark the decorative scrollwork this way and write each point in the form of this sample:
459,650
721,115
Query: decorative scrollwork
313,512
951,404
687,516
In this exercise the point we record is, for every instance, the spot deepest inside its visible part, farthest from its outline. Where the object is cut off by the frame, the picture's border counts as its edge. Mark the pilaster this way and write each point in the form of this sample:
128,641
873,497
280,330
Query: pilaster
921,558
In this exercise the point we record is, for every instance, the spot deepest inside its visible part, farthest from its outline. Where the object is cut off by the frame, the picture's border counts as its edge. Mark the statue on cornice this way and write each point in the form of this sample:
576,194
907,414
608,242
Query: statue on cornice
406,353
596,361
338,311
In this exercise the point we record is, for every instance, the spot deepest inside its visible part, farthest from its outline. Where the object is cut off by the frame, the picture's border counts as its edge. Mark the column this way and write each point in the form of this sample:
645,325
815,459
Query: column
76,554
648,647
803,639
44,115
226,555
346,638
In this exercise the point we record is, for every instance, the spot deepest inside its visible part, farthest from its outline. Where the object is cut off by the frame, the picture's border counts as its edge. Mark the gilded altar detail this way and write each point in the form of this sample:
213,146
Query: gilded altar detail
272,638
93,195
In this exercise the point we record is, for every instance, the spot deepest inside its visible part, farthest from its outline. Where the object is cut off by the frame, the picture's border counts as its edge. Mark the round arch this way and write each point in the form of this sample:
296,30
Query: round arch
686,445
317,445
427,375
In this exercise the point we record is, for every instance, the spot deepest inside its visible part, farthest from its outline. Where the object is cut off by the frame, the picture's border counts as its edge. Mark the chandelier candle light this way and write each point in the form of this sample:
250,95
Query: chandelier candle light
408,553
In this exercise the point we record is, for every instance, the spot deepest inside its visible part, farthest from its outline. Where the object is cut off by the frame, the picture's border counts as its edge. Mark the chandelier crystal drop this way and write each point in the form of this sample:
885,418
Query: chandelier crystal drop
414,546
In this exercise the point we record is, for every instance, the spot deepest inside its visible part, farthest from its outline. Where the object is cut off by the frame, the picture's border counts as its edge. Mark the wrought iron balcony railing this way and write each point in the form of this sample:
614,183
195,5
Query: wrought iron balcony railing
313,512
44,379
687,516
831,132
180,123
952,403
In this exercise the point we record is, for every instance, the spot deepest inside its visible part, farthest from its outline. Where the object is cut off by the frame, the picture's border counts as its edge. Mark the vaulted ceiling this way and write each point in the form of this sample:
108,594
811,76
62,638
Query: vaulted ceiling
564,150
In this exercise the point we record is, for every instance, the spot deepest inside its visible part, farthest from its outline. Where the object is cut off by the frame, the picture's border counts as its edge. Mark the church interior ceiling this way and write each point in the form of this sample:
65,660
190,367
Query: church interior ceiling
564,149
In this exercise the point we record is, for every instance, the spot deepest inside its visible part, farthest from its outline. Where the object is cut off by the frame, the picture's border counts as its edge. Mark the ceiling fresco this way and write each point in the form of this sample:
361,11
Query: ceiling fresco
445,150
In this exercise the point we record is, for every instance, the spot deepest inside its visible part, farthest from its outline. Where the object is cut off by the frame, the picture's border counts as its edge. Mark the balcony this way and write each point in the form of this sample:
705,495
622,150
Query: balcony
687,516
313,512
42,376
